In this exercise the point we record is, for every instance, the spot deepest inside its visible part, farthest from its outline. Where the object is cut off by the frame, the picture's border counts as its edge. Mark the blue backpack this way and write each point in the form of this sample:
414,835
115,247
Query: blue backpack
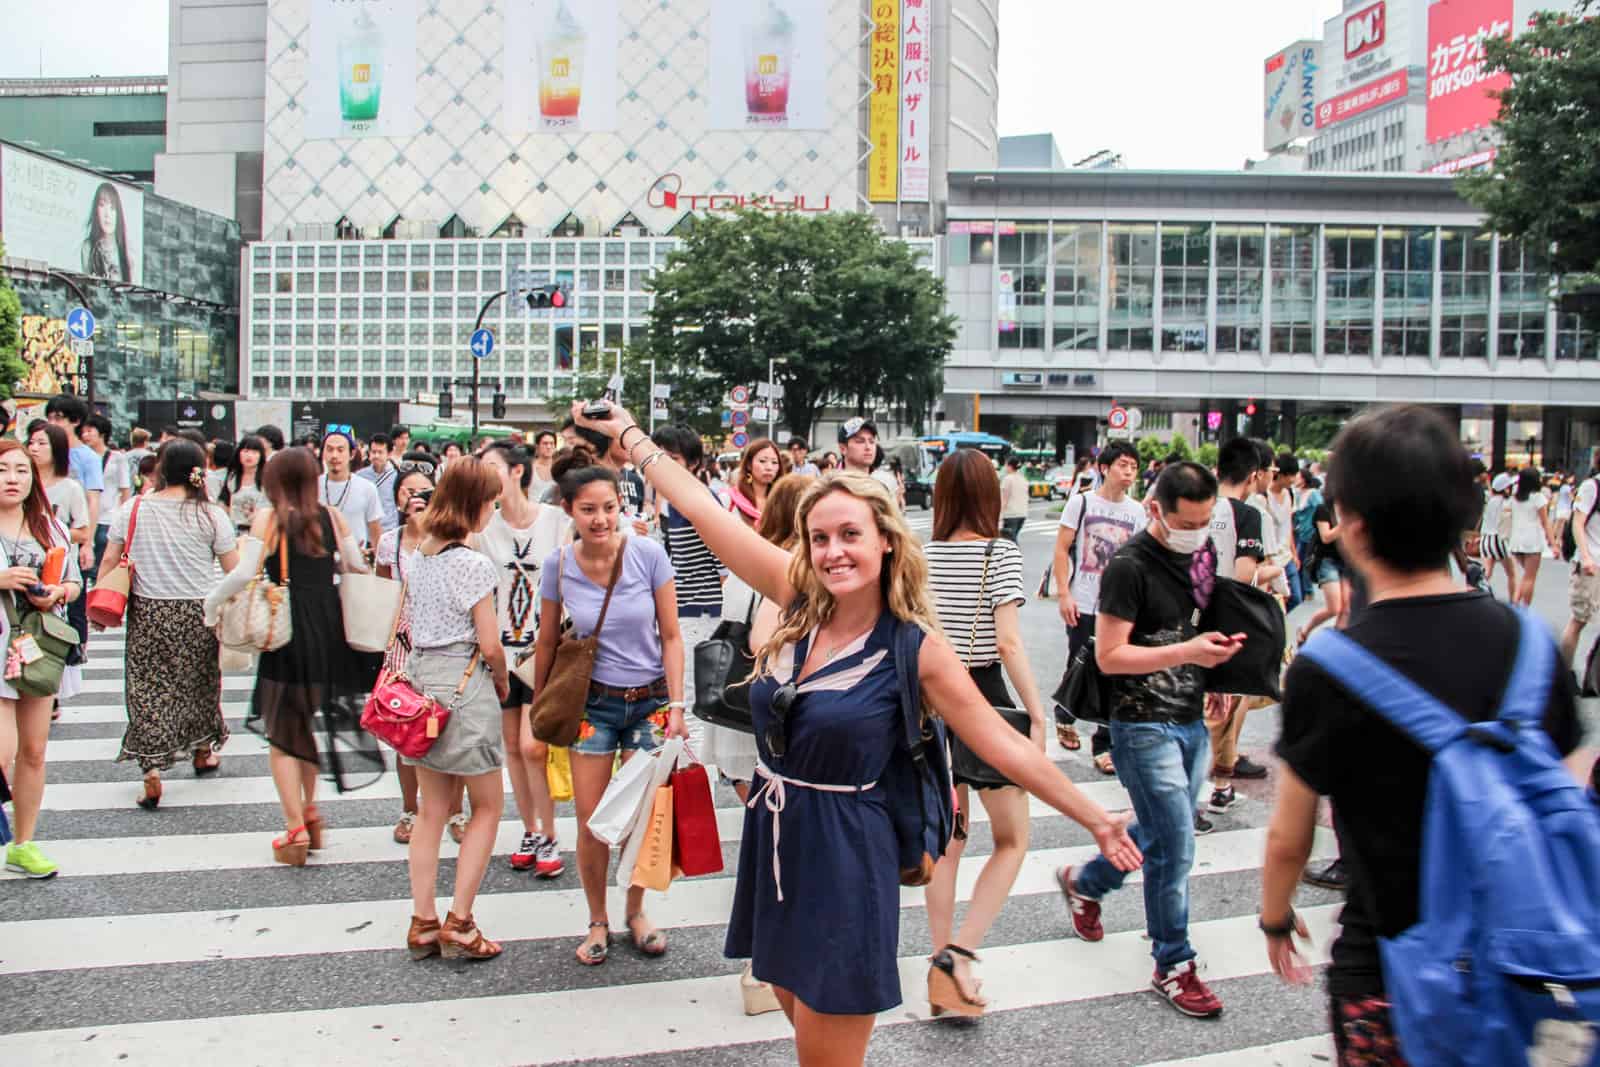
1504,965
919,790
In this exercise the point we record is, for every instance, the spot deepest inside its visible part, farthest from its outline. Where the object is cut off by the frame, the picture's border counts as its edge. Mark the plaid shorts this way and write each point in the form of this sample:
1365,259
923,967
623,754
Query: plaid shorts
1363,1034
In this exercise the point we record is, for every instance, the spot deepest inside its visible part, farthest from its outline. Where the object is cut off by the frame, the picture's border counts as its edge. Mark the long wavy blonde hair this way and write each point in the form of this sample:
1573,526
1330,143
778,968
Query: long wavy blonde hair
905,569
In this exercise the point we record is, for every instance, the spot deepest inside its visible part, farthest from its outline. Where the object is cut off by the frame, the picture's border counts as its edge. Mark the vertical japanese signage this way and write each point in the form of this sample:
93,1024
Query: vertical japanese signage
883,179
1459,81
916,93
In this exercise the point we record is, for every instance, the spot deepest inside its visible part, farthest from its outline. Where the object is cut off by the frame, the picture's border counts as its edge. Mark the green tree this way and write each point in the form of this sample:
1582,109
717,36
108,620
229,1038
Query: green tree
850,313
1316,431
697,399
12,369
1545,186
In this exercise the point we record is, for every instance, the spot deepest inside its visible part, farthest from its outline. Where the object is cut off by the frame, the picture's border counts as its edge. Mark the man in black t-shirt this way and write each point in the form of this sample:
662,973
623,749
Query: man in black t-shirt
1403,491
1151,595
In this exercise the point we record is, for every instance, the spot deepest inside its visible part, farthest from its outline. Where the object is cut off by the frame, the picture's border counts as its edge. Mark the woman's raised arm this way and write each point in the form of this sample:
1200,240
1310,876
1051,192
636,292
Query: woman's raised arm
763,566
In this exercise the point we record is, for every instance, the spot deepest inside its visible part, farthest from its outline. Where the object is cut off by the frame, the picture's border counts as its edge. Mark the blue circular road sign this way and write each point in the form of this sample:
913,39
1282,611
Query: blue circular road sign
80,323
482,343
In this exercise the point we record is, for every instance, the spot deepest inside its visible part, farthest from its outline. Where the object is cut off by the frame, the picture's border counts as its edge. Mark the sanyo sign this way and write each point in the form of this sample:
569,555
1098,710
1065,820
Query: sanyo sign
1366,30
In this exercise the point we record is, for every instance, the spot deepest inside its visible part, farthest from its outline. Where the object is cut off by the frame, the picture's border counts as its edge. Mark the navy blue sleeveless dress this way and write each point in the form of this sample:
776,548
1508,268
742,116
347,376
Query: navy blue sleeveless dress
833,938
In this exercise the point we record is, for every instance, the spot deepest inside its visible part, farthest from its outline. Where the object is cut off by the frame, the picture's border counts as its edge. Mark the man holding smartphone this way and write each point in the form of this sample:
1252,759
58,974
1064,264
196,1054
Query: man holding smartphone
1146,642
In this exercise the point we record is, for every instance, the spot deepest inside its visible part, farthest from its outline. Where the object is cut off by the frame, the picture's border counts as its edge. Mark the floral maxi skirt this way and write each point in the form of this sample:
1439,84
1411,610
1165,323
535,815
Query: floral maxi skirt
174,684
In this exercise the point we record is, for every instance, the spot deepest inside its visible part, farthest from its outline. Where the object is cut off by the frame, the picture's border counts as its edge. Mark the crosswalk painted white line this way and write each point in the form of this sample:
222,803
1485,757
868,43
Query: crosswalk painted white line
661,1017
1306,1052
379,925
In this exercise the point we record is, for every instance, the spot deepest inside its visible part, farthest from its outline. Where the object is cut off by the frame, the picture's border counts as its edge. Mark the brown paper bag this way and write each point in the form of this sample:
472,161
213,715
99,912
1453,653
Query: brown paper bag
653,870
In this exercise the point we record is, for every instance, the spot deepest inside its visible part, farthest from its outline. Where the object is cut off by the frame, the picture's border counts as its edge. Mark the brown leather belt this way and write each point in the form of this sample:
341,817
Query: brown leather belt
657,688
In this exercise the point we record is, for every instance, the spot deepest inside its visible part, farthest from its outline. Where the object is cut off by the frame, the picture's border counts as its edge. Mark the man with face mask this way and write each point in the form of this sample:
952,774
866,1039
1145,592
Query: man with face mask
1151,595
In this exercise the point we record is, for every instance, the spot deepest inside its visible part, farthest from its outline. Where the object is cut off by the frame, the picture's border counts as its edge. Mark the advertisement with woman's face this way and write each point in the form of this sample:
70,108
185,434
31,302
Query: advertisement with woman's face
72,219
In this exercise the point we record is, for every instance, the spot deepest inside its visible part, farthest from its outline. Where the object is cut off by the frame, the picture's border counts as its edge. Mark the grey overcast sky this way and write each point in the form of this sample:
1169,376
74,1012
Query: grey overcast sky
1168,83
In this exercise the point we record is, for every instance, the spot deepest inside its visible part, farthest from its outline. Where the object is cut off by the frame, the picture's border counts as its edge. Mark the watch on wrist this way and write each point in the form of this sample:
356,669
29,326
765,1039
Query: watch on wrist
1285,930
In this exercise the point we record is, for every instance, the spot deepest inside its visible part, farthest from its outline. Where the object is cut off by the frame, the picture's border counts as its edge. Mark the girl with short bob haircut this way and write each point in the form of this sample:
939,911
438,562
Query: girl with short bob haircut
455,639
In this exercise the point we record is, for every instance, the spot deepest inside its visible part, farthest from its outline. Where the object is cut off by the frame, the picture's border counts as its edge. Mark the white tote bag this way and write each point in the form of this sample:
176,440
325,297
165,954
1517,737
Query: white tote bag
661,763
619,805
370,605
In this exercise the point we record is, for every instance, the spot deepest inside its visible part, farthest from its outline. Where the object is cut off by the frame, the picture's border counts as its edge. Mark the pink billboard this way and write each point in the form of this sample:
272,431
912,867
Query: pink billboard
1385,90
1459,79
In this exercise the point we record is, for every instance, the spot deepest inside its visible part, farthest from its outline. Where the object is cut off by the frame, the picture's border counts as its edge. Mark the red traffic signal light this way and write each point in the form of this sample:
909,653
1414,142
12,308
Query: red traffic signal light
547,296
1250,409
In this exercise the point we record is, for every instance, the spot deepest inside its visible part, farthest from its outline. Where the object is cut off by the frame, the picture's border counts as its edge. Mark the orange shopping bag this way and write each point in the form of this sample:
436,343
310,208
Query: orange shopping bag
653,870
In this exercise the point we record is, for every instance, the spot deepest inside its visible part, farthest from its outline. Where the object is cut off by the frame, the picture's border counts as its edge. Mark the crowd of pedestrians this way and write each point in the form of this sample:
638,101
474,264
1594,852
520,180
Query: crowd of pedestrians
891,692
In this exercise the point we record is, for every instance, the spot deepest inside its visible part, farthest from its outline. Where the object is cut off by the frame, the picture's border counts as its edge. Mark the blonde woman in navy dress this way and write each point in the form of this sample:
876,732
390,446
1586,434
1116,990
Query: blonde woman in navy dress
823,927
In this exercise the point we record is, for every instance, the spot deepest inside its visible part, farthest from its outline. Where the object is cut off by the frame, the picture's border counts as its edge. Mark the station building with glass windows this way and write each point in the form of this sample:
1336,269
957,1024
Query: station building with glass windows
1191,295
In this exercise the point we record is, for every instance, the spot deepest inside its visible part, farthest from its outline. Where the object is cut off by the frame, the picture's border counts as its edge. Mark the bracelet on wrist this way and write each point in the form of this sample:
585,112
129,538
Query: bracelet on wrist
676,705
622,438
1286,930
651,458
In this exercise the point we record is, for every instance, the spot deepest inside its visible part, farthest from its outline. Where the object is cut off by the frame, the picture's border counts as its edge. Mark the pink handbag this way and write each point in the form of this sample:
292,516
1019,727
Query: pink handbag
398,714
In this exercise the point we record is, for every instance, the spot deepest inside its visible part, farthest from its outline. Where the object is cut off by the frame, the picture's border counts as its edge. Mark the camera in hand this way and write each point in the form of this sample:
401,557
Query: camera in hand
597,409
37,589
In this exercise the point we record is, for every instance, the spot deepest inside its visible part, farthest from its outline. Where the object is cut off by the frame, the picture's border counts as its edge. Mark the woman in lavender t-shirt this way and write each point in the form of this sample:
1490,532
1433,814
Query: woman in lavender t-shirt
636,689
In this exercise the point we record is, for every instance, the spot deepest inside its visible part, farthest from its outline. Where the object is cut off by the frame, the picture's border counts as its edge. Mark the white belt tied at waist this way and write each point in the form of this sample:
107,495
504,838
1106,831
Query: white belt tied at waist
773,792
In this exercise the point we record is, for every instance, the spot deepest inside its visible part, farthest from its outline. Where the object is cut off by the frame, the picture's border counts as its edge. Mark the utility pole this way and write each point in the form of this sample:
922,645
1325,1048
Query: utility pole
652,400
475,383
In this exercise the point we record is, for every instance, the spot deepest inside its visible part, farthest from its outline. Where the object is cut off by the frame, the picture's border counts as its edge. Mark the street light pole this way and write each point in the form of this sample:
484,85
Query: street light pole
652,400
477,364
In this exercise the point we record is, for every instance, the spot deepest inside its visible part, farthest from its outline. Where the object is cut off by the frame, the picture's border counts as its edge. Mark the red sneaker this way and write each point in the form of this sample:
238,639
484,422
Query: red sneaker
523,858
1185,991
548,864
1085,912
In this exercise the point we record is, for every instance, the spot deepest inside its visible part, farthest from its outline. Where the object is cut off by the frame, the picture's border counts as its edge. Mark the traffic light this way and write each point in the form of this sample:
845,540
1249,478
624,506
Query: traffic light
547,296
446,403
497,406
1250,408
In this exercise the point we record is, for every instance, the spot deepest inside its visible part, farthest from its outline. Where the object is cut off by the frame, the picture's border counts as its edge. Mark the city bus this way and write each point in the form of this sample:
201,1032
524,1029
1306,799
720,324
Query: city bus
940,445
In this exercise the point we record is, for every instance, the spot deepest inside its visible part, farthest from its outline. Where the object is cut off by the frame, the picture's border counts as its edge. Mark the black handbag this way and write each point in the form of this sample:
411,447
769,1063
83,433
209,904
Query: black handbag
1257,668
965,764
1084,690
722,662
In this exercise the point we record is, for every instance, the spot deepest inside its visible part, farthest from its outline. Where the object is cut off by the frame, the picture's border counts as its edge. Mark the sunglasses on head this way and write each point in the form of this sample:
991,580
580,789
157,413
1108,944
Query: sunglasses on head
406,466
339,427
777,735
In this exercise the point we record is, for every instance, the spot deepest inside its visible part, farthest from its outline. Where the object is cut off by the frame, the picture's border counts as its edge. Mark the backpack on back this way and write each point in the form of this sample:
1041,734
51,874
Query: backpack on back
920,790
1503,966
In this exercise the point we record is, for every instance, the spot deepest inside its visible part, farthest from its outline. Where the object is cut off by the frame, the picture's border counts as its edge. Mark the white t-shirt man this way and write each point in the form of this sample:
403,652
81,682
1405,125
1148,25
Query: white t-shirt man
357,499
885,477
1584,504
1102,526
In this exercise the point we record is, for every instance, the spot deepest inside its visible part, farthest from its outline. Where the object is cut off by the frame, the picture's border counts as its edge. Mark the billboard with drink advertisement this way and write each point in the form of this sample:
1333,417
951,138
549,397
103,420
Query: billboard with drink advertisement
560,64
1459,80
73,219
1293,84
769,65
362,69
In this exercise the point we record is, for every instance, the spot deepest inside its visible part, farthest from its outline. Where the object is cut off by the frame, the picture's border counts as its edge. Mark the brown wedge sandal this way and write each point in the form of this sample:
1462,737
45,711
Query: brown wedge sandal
152,793
314,826
292,847
207,761
422,940
478,948
944,989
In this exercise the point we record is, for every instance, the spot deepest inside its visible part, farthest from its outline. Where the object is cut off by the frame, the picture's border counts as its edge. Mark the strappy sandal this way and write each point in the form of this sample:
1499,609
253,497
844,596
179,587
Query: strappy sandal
419,948
479,948
1103,764
291,848
944,988
653,945
152,793
1067,735
593,954
314,826
206,762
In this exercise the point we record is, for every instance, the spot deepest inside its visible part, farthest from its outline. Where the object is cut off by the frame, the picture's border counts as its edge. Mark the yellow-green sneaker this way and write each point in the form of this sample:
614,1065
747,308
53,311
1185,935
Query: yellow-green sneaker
29,860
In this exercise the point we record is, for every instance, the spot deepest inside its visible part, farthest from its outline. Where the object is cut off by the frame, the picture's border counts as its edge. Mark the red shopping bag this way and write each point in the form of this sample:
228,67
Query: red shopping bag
696,845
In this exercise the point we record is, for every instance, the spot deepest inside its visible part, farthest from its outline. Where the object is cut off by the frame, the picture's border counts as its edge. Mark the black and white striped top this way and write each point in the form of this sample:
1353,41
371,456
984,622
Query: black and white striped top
699,572
955,571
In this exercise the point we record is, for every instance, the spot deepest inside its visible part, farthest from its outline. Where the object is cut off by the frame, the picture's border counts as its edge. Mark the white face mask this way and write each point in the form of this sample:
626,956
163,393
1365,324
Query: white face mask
1185,542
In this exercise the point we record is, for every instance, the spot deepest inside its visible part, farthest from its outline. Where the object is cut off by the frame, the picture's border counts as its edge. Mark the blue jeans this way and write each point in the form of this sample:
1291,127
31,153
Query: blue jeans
1164,768
1291,574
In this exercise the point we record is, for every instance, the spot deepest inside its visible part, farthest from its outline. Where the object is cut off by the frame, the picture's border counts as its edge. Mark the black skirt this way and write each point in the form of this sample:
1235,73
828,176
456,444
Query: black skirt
966,768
